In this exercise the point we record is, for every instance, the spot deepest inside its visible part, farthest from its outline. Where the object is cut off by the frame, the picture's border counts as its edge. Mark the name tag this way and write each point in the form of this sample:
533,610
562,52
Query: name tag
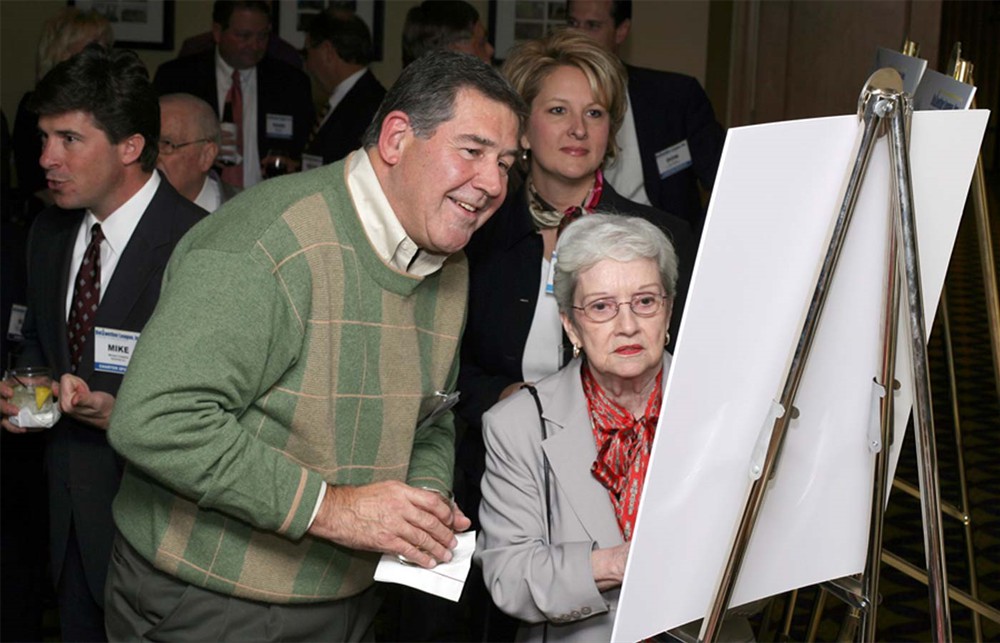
550,279
279,126
17,313
113,349
671,160
311,162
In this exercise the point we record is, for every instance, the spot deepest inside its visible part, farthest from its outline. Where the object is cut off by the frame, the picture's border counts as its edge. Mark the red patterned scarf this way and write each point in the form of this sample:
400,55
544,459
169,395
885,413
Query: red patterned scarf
623,446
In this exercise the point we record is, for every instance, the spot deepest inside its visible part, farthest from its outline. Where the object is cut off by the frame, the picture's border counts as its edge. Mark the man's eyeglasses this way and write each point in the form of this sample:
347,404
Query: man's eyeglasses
168,147
643,304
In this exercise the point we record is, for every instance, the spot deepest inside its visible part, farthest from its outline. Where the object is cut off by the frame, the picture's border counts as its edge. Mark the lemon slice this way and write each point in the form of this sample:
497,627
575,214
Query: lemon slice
42,395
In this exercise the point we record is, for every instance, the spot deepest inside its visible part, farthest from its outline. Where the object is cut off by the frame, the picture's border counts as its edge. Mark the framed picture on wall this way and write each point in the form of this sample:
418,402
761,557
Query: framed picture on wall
512,22
137,24
292,16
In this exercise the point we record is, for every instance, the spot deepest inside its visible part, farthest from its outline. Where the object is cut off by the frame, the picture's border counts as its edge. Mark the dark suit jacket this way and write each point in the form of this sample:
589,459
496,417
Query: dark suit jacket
281,89
669,108
83,471
342,132
505,258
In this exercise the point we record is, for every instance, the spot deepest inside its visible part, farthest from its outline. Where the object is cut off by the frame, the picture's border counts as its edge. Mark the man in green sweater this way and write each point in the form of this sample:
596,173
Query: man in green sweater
277,417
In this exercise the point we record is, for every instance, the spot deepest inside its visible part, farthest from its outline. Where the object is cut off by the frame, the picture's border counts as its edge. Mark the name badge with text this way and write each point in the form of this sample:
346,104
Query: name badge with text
17,313
673,159
113,349
279,126
311,162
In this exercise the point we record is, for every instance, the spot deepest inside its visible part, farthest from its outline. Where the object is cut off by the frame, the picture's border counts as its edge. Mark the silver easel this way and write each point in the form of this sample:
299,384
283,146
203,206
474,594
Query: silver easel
884,108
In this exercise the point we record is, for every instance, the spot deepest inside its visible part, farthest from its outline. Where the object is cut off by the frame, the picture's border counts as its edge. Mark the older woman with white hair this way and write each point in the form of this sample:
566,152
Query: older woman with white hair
566,459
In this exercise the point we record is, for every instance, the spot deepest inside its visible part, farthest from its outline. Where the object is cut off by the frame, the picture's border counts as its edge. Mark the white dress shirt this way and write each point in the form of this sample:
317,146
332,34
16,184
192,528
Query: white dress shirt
248,88
210,197
117,228
625,172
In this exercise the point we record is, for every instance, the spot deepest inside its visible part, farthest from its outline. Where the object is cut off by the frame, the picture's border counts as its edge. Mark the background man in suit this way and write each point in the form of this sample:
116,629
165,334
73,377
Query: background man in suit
337,53
107,239
189,145
670,141
270,101
445,24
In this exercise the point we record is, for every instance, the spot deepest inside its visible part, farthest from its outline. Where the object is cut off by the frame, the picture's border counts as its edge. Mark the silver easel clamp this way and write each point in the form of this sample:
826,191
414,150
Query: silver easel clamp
884,110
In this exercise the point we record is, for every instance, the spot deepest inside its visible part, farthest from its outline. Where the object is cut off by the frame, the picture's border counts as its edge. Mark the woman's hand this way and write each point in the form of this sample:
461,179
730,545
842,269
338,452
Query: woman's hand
609,566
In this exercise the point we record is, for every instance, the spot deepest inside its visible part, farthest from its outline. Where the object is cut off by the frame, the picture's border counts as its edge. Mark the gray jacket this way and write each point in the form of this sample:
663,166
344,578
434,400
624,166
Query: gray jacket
528,577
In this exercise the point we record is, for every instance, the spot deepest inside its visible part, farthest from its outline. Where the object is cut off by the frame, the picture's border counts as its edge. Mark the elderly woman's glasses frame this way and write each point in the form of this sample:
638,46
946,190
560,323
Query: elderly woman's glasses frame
167,148
643,304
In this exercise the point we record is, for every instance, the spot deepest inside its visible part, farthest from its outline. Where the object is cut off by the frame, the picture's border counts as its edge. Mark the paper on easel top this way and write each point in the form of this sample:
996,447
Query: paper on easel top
778,189
938,91
909,67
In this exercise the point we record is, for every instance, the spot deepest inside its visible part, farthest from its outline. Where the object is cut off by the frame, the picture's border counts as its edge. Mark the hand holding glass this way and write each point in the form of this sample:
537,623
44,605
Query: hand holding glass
32,387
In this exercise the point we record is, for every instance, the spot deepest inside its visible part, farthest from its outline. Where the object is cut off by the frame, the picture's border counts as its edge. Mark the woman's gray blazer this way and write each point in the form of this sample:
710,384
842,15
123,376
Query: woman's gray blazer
529,578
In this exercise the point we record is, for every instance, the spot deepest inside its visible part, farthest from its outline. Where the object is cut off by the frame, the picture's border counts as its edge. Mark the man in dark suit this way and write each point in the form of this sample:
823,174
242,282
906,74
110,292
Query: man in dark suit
275,101
670,141
95,262
337,53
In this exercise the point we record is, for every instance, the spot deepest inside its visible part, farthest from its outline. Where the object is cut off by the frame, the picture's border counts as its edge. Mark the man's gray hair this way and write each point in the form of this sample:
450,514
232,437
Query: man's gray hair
201,113
596,237
426,92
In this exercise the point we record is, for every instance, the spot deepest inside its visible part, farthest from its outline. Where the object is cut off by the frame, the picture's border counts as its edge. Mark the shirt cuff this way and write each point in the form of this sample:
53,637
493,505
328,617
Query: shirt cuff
319,501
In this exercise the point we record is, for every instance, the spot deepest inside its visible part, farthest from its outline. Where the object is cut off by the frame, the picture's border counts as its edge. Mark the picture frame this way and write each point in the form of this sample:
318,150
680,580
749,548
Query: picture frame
137,24
289,17
512,22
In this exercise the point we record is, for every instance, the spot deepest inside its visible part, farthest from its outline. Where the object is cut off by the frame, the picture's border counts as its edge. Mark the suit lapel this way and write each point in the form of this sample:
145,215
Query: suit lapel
571,451
137,265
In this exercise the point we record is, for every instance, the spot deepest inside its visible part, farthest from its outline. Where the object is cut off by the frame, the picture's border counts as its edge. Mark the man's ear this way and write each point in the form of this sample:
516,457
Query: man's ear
393,138
206,159
216,32
621,31
130,148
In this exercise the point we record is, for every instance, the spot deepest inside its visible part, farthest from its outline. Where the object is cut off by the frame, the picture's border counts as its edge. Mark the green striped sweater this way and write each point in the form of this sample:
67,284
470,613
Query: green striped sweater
283,352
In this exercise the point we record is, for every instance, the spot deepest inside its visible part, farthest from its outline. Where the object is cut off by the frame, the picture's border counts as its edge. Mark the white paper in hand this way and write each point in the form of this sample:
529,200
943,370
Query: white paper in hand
446,580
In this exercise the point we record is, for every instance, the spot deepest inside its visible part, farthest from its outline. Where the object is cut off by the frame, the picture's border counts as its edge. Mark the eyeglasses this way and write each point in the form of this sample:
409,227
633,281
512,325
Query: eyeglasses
643,304
167,148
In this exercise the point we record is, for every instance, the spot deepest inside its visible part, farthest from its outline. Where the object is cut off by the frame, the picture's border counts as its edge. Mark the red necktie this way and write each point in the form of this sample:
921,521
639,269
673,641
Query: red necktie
233,174
86,296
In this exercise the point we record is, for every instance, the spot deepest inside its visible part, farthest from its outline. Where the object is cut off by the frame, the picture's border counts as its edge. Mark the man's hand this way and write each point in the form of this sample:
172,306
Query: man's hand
391,517
7,409
78,401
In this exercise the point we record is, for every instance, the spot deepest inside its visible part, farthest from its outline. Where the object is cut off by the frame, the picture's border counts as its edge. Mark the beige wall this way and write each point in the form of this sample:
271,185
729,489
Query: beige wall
665,35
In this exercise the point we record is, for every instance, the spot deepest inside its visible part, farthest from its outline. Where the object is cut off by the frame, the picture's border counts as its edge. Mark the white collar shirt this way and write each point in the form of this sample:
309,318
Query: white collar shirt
248,88
381,224
341,90
625,172
210,197
117,228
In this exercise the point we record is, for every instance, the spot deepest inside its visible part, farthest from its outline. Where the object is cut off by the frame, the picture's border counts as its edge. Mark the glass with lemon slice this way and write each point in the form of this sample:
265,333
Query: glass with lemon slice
33,395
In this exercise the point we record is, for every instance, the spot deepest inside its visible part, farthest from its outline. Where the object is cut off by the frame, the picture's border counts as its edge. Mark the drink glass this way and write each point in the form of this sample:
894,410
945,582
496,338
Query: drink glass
33,395
449,497
277,163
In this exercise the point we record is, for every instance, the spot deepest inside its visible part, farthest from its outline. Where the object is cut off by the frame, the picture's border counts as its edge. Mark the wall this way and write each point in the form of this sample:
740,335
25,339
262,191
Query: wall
665,35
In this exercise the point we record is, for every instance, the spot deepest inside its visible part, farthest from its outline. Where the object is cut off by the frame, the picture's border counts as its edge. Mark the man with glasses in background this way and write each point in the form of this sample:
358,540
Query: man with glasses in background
189,145
265,105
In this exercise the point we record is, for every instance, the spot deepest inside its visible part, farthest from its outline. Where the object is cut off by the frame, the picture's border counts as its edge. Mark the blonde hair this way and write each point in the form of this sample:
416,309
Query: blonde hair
530,63
67,33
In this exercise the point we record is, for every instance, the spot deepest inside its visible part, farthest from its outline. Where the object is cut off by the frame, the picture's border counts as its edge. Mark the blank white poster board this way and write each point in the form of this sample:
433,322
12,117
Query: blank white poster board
777,194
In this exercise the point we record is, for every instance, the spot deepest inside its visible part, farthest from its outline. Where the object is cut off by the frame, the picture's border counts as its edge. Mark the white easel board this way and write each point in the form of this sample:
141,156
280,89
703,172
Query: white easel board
777,194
